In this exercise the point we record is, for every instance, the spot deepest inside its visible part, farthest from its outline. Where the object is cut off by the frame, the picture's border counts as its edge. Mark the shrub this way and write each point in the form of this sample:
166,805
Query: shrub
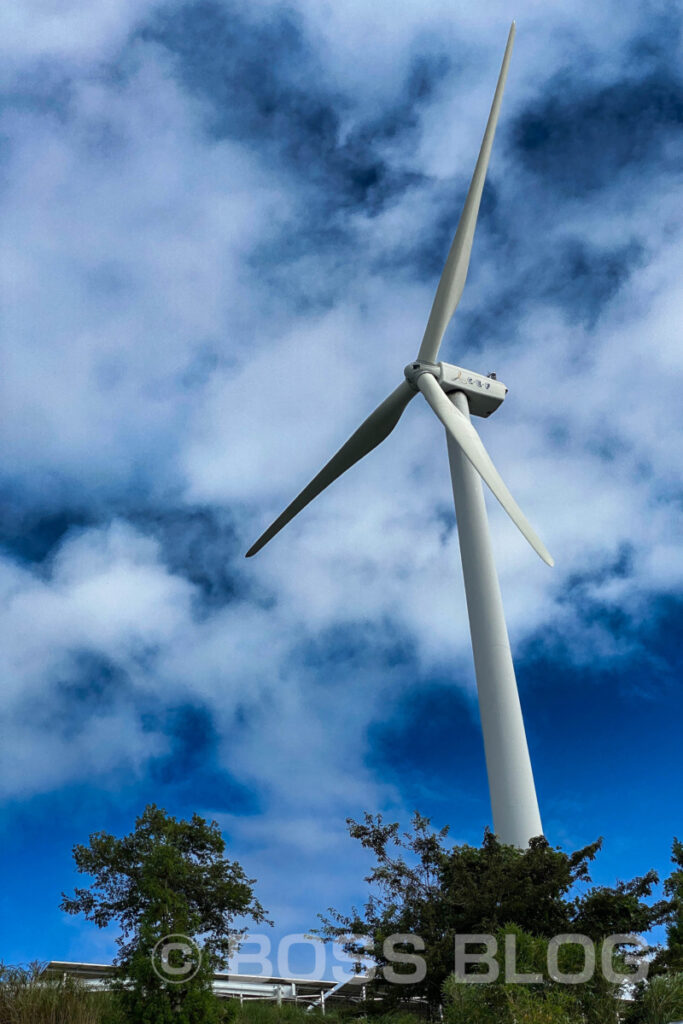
28,996
660,1000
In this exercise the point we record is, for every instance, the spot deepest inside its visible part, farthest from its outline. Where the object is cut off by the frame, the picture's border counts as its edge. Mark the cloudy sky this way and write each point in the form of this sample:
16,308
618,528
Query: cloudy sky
223,225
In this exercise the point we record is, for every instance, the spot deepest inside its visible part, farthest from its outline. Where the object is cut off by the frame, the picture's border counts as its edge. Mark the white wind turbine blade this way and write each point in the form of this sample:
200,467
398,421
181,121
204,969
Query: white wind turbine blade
454,273
371,432
460,428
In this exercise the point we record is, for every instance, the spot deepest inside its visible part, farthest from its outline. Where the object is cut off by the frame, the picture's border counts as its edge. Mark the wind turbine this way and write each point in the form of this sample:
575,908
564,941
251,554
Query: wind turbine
455,394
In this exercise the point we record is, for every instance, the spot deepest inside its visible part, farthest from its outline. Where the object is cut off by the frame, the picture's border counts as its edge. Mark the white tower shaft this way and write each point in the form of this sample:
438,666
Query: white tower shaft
516,817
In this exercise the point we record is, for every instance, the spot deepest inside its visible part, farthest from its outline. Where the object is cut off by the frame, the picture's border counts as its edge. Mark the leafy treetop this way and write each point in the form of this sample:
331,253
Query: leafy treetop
420,885
165,876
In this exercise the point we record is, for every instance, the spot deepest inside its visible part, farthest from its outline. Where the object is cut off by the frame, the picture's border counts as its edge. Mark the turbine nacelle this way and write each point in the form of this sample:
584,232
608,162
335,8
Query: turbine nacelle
484,394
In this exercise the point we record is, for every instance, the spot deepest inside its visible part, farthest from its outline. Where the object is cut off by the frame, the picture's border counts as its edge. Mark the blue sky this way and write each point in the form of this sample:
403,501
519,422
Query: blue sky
223,229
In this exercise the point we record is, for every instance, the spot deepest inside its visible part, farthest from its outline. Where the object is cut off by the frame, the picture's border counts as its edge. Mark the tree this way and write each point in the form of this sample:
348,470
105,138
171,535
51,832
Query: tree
660,998
672,957
167,877
619,910
548,1002
420,886
659,1001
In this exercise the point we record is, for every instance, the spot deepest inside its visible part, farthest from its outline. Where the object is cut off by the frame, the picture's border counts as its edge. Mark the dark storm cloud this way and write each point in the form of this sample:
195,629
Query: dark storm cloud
253,74
580,593
199,544
578,140
92,682
30,534
649,667
579,280
42,89
263,83
90,686
433,730
191,770
576,143
646,659
354,647
584,277
620,566
86,684
425,255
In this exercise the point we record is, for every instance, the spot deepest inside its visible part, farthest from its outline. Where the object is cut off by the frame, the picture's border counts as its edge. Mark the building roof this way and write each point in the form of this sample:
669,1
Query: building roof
243,986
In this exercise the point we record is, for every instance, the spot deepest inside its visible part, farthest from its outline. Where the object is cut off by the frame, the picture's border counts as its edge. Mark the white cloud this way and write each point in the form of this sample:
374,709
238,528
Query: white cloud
141,358
60,29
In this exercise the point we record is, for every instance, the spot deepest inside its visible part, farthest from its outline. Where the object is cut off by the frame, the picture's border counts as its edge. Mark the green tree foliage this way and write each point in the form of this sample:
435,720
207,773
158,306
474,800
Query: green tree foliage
659,1001
506,1001
167,877
421,886
671,958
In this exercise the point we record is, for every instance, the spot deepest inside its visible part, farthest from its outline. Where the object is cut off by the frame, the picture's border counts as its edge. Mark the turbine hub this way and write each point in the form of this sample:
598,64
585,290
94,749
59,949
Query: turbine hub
413,370
484,393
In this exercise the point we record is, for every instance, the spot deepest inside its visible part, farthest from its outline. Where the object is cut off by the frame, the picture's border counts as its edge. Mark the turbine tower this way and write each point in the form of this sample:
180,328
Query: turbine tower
455,394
